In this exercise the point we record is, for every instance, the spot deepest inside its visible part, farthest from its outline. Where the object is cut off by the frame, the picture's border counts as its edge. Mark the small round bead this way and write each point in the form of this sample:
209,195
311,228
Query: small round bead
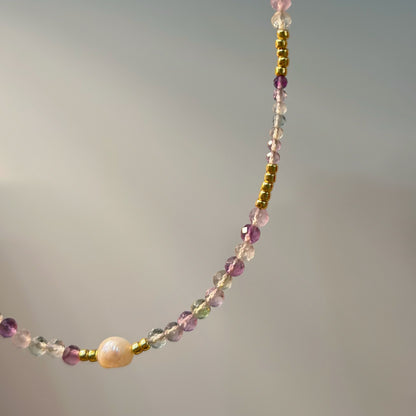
222,280
250,233
271,168
270,177
281,44
283,34
156,338
283,62
245,251
279,94
280,82
273,157
261,204
71,355
187,321
281,20
274,145
280,71
264,196
281,5
83,355
8,327
279,107
214,297
259,217
144,344
114,352
22,338
279,120
234,266
200,309
283,52
92,356
173,332
38,346
55,348
266,186
276,133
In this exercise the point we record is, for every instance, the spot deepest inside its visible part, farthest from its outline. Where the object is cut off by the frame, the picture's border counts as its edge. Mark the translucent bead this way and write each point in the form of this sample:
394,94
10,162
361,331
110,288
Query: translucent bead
8,327
250,233
38,346
279,94
281,5
279,120
187,321
234,266
173,332
22,338
245,251
55,348
280,82
276,133
259,217
222,280
156,338
200,309
273,157
281,20
279,107
70,355
214,297
274,145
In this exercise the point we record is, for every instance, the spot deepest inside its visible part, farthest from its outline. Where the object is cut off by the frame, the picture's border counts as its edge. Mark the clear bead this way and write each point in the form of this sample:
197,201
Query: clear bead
22,338
222,280
279,107
56,348
279,94
245,251
276,133
156,338
200,309
281,20
279,120
38,346
173,332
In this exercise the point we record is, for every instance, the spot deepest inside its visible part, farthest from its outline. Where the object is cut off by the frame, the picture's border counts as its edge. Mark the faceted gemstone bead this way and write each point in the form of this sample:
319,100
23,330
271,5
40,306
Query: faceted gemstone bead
259,217
281,5
234,266
276,133
250,233
279,107
200,309
22,338
245,251
70,355
279,120
273,157
279,94
222,280
274,145
187,321
55,348
280,82
8,327
114,352
156,338
281,20
214,297
38,346
173,332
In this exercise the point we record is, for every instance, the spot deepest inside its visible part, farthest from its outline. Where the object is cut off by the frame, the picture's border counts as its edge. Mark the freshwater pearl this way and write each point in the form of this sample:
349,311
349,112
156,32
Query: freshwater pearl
114,352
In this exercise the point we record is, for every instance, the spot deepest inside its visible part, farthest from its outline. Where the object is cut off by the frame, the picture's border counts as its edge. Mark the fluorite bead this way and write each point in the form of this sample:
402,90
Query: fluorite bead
70,355
200,309
114,352
173,332
245,251
250,233
280,82
274,145
279,94
156,338
187,321
55,348
281,20
276,133
279,120
281,5
279,107
38,346
259,217
214,297
222,280
273,157
234,266
8,327
22,338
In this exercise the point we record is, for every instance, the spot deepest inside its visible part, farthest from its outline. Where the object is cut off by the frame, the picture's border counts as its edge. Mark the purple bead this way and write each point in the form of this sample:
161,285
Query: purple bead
250,233
279,94
281,5
259,217
214,297
71,355
8,327
274,145
187,321
234,266
273,158
280,82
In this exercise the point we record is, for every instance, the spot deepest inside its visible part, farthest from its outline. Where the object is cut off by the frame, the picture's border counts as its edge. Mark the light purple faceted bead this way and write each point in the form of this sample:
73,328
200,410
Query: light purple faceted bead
281,5
214,297
22,338
273,158
274,145
234,266
173,331
187,321
8,327
259,217
71,355
279,94
250,233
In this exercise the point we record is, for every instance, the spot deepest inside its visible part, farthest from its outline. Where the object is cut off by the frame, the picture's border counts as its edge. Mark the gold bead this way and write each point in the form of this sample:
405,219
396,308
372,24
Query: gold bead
83,355
144,344
136,348
281,43
280,70
282,34
284,62
92,356
267,186
282,52
261,204
271,168
264,196
270,177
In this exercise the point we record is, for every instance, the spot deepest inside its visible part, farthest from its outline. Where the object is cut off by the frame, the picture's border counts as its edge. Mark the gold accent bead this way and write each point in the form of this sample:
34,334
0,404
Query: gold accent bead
282,52
282,34
270,177
264,196
280,70
136,348
261,204
281,43
144,344
92,356
283,62
83,355
267,186
271,168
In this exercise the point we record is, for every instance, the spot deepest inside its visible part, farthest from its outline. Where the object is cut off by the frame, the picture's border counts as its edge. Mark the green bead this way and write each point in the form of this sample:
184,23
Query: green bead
200,309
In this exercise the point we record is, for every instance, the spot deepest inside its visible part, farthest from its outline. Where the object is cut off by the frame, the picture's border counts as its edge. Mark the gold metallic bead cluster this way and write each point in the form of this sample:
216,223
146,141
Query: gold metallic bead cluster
267,186
282,52
88,355
140,346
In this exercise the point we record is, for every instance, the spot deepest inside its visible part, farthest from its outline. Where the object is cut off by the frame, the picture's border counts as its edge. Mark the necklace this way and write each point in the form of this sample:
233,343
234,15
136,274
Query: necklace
118,352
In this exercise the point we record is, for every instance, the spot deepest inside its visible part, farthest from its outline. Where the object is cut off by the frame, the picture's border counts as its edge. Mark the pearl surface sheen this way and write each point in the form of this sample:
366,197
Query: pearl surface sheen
114,352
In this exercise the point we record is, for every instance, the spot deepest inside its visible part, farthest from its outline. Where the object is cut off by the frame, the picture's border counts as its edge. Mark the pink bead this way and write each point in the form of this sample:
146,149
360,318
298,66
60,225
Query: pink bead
214,297
273,158
259,217
71,355
274,145
234,266
22,338
281,5
187,321
250,233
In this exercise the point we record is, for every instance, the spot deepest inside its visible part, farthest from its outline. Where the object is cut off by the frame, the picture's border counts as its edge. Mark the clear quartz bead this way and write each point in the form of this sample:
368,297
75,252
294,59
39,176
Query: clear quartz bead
281,20
276,133
22,338
222,280
279,120
173,332
245,251
56,348
38,346
157,338
279,107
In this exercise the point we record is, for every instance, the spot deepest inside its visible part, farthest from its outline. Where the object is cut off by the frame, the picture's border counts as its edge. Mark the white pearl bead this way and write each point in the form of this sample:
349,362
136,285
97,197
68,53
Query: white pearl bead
114,352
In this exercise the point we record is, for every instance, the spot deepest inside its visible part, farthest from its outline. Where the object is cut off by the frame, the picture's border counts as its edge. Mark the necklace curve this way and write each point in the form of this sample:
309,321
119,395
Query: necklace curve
118,352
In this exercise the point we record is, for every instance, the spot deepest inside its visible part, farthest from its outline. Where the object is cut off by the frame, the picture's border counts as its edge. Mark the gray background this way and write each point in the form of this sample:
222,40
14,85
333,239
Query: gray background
132,142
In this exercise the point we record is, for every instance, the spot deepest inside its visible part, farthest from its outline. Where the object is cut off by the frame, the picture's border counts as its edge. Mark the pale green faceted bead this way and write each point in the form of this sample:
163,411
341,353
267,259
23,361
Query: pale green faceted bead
156,338
38,346
281,20
55,348
222,280
200,309
245,251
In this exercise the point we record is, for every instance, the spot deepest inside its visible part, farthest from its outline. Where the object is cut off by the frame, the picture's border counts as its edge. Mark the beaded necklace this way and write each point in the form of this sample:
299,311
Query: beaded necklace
118,352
